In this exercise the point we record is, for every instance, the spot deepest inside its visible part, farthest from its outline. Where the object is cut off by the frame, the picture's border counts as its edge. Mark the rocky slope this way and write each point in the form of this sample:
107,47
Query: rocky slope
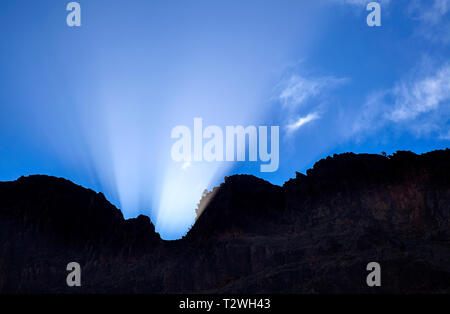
315,234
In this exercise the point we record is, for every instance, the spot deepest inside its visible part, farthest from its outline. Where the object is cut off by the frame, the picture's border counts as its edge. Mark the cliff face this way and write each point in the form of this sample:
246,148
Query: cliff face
315,234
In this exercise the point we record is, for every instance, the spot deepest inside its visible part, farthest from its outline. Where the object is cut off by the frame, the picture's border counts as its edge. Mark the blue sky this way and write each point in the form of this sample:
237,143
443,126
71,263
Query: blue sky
96,104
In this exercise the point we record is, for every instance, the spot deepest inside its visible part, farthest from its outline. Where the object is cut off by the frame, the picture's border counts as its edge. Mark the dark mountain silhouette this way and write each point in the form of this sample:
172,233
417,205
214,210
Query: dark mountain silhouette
315,234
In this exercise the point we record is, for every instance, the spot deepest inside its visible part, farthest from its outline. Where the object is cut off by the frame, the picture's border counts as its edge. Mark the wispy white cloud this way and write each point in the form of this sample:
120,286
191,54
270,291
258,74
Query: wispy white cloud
433,13
421,105
304,99
421,96
433,18
298,89
302,121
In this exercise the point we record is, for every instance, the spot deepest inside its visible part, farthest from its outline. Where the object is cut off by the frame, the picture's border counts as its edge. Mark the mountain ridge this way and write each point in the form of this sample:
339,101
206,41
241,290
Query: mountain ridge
251,236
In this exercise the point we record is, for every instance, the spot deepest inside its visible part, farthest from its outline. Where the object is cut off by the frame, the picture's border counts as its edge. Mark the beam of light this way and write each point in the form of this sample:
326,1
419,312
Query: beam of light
101,100
181,193
221,73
